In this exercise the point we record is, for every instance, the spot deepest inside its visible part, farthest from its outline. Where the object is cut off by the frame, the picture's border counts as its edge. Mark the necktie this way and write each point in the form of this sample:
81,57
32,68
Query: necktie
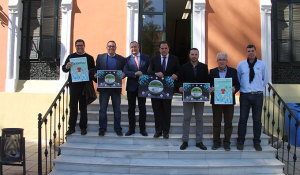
163,65
137,62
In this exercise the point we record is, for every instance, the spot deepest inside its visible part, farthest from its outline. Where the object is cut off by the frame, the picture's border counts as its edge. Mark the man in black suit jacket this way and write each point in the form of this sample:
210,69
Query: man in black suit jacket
223,71
160,66
136,65
193,72
110,61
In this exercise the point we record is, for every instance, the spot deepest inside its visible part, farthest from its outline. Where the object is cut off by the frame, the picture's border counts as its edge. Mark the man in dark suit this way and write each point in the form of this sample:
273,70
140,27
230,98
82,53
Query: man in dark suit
136,65
223,71
193,72
110,61
160,66
76,89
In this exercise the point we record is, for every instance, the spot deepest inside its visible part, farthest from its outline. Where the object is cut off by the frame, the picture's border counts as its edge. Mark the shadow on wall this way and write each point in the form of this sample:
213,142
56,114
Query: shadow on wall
75,10
3,17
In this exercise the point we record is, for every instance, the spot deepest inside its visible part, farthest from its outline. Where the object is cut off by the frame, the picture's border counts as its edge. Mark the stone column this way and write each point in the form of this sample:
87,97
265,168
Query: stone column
66,9
132,23
266,40
198,27
15,8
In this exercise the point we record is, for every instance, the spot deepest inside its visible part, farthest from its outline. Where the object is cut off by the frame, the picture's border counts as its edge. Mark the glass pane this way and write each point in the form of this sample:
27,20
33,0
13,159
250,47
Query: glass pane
153,5
283,50
152,34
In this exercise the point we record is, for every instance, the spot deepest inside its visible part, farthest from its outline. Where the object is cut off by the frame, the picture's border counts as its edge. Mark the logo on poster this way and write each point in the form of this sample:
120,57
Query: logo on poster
156,87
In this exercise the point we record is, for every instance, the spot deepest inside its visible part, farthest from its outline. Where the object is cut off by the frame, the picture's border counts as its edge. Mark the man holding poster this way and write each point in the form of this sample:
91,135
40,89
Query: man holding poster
219,77
193,72
84,65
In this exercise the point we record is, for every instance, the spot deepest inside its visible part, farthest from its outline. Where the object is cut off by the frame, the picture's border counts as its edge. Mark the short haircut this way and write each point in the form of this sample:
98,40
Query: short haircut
164,42
222,54
135,42
111,41
251,46
193,49
80,40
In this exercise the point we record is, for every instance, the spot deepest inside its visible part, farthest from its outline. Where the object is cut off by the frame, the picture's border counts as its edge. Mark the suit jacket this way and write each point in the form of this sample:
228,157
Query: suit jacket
130,68
173,66
186,74
231,73
101,64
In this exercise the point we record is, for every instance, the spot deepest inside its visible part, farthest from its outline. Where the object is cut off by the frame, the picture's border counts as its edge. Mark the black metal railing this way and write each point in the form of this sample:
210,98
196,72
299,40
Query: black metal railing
54,122
282,125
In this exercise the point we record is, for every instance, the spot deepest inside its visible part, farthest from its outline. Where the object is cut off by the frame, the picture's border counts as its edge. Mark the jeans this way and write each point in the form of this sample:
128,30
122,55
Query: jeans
255,101
116,102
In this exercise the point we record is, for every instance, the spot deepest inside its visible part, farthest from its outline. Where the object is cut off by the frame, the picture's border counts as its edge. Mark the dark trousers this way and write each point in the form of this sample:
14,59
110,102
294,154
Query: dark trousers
75,97
218,111
162,114
132,96
116,102
255,101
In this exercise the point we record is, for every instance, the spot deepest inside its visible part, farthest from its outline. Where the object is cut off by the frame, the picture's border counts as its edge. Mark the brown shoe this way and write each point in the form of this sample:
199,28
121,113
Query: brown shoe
70,131
257,147
83,132
184,145
201,146
215,146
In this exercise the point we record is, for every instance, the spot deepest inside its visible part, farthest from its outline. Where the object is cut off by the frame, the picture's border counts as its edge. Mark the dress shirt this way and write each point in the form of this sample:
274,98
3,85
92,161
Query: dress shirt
260,79
162,59
223,73
111,62
138,57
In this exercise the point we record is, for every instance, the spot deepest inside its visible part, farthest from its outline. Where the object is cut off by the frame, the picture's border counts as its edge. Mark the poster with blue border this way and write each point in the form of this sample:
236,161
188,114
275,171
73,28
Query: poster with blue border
79,69
109,79
154,87
195,92
223,91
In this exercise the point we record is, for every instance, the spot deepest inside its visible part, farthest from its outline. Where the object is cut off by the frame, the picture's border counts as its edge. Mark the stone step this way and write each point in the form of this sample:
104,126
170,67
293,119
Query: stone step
137,139
165,166
162,151
176,128
175,117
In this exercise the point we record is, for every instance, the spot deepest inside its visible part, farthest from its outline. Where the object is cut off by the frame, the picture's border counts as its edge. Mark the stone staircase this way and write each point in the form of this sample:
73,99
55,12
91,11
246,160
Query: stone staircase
112,154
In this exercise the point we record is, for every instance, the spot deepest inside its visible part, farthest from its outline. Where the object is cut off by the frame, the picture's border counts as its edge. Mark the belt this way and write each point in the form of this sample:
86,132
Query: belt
257,92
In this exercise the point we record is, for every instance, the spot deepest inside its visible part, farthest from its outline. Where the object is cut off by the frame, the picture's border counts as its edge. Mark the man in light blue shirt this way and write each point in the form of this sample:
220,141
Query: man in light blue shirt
253,77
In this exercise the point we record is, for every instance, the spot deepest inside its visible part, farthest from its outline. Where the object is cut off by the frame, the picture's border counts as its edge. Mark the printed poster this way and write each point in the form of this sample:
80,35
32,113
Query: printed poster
223,91
109,79
195,92
154,87
79,69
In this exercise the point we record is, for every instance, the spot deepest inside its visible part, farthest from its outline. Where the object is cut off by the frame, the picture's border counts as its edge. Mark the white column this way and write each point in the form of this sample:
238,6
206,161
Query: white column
15,8
66,9
132,23
266,40
199,28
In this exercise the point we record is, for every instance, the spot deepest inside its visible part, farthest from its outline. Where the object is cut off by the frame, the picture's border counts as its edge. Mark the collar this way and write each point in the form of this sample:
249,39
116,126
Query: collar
163,57
223,70
138,55
80,54
111,56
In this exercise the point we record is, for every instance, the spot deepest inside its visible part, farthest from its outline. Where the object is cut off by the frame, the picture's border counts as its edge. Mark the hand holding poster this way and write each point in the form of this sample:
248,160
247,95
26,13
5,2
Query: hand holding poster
196,92
154,87
79,69
109,79
223,91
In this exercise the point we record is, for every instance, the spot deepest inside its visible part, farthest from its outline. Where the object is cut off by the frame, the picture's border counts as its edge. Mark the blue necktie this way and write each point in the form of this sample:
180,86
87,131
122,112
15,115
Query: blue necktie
163,65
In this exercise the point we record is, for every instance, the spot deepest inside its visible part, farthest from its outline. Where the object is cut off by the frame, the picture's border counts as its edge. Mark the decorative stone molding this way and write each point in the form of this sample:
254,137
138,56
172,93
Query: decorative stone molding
198,34
132,23
266,40
15,8
66,8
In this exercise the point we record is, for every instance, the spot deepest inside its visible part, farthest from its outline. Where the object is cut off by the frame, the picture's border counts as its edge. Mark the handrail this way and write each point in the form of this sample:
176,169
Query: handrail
285,131
53,113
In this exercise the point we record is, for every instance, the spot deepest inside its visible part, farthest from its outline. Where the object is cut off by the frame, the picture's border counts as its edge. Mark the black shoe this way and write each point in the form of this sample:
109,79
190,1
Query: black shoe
143,133
240,146
257,147
101,133
129,133
184,145
201,146
119,133
157,134
83,132
166,136
215,146
70,131
226,147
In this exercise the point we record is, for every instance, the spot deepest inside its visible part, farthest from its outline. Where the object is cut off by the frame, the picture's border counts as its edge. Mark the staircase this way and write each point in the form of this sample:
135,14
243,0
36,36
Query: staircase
112,154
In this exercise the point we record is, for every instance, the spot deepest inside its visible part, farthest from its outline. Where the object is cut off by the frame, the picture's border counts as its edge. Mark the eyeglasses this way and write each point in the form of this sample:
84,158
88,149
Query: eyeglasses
79,45
111,46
